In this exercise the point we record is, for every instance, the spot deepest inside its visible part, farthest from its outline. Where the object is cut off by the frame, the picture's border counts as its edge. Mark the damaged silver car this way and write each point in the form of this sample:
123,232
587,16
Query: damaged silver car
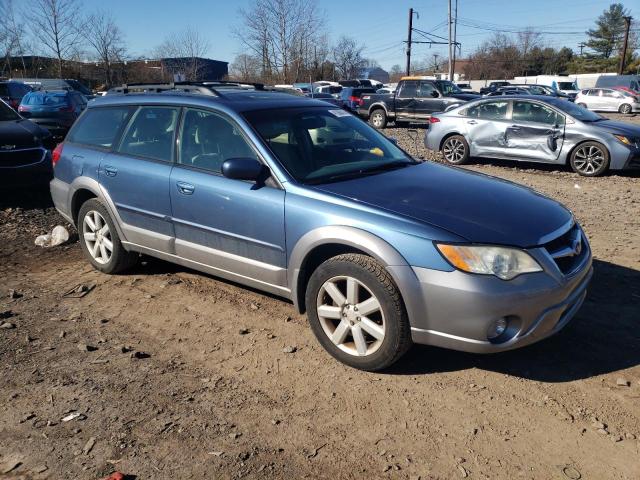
531,129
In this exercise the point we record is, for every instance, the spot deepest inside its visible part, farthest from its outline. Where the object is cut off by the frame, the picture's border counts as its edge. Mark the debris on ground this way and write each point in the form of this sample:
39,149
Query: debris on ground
57,236
290,349
74,416
623,382
78,291
89,445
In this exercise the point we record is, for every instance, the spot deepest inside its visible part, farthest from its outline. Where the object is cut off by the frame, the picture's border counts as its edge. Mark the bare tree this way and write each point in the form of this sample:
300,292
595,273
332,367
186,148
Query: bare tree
57,24
245,68
12,37
283,34
106,40
183,52
347,56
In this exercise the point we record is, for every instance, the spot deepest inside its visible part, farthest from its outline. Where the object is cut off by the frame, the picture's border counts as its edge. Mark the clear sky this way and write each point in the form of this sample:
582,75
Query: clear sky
379,25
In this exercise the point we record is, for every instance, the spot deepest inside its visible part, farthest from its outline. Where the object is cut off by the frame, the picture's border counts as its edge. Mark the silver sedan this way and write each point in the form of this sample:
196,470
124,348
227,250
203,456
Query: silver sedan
532,129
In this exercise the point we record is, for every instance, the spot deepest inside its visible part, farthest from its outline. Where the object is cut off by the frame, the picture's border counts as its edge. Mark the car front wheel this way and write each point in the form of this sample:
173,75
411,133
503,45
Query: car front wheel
99,239
590,159
378,118
625,109
356,312
455,150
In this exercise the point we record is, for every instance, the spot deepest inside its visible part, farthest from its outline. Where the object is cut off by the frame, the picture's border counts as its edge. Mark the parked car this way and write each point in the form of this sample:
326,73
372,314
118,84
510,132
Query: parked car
508,91
493,86
12,92
25,158
57,84
351,97
535,89
534,129
333,90
414,101
609,81
608,100
54,110
560,83
300,199
467,88
325,97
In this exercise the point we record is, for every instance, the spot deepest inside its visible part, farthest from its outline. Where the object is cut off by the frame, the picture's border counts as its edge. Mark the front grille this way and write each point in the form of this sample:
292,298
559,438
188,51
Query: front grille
568,250
20,158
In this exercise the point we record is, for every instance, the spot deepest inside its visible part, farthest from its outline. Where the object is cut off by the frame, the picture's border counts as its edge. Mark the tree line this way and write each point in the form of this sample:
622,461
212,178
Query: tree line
527,52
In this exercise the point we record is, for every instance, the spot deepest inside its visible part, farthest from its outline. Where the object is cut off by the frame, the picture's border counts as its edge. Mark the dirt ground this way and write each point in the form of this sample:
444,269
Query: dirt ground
165,373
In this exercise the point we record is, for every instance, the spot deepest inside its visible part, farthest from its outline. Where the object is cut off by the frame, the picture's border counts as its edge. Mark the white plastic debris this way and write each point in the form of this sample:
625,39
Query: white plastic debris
58,236
575,185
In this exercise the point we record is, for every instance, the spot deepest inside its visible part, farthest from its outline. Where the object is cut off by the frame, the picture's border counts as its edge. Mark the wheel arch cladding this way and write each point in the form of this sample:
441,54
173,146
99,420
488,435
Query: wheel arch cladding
320,244
80,196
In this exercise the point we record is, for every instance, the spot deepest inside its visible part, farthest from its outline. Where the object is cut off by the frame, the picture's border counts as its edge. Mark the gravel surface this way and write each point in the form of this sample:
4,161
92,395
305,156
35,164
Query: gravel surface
166,373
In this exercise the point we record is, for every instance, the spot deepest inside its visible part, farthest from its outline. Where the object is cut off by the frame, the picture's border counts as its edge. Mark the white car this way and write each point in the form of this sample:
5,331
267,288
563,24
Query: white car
608,100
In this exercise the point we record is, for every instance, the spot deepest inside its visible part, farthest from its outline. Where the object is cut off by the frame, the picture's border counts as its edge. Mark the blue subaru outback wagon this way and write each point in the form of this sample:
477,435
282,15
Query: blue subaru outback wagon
303,200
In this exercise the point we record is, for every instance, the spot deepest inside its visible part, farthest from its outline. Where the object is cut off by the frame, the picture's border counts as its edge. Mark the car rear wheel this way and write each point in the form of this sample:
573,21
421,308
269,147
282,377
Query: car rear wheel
378,118
99,239
455,150
356,312
625,108
590,159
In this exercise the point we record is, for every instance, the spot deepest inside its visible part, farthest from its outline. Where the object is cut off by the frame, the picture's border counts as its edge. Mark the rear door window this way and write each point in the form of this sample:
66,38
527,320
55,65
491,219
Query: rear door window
99,127
409,89
151,133
489,110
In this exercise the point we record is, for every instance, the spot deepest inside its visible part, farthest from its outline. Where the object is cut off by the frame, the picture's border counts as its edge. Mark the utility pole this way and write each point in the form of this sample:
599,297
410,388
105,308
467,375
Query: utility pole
450,45
455,42
627,21
409,41
581,47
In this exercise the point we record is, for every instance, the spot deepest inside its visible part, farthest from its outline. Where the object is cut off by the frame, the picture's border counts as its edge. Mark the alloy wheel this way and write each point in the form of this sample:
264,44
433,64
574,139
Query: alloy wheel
351,316
453,150
97,237
376,119
626,109
589,159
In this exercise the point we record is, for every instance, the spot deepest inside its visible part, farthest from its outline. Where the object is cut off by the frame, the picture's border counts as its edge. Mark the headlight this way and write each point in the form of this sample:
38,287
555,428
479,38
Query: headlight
625,140
505,263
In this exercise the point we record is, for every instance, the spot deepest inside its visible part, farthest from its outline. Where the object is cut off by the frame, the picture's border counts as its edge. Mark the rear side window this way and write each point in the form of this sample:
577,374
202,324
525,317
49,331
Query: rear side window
151,133
45,100
99,127
489,110
409,89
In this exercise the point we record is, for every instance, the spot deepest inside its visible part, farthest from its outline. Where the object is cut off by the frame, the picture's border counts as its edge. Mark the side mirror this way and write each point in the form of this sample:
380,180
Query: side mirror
244,169
435,94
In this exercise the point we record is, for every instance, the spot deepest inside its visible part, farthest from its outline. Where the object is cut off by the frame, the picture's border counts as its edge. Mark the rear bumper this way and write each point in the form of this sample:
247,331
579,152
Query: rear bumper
60,196
459,308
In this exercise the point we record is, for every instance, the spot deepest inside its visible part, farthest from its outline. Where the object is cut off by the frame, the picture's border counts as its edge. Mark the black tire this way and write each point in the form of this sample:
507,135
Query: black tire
120,258
378,118
455,150
625,109
375,278
583,163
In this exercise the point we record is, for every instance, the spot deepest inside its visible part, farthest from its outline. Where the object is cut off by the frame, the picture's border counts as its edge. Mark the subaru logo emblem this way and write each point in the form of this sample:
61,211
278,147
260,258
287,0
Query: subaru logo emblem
576,246
8,147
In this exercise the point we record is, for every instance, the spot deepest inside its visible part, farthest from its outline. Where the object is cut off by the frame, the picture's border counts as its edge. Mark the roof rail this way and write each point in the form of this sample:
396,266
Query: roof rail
202,87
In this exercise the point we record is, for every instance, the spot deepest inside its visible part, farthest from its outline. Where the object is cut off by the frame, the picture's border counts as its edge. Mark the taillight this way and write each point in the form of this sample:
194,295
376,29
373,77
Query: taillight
56,154
354,99
22,108
434,120
14,103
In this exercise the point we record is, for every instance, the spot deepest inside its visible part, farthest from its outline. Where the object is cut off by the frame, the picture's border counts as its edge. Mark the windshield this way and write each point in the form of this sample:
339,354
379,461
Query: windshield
567,86
319,145
447,87
7,113
47,99
577,112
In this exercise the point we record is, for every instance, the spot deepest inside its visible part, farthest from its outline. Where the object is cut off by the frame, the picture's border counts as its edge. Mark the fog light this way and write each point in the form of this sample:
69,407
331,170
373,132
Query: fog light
497,328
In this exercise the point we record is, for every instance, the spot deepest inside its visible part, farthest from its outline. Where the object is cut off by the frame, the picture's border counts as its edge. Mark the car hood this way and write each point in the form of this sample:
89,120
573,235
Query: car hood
619,128
21,133
477,207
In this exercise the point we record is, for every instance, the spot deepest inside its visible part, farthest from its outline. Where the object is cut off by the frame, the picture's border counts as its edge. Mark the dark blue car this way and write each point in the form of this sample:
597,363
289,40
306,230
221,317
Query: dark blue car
304,200
54,110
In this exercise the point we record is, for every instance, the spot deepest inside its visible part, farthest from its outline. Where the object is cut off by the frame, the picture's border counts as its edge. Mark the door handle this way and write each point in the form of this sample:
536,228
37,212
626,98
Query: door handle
185,188
110,171
472,122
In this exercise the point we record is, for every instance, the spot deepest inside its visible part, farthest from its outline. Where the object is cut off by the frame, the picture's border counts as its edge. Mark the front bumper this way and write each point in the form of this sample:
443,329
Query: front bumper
25,167
459,308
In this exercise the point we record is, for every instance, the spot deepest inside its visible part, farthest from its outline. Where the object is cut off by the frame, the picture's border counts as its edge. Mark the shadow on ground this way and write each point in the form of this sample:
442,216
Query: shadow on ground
26,197
604,337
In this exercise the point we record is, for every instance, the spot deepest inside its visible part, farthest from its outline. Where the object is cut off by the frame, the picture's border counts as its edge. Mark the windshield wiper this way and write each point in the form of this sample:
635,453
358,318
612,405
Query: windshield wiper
362,172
